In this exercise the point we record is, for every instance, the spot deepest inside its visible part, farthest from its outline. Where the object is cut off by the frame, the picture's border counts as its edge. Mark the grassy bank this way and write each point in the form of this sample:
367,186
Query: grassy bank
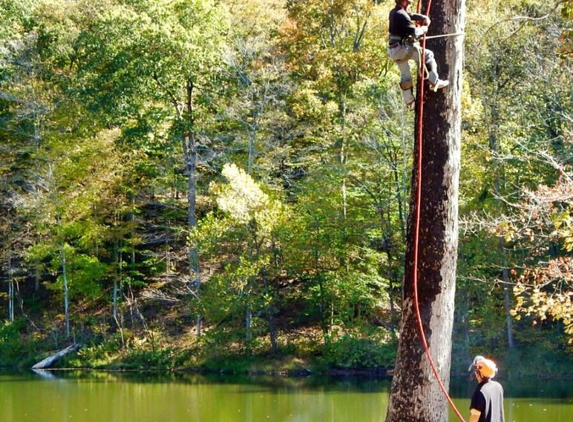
348,353
359,350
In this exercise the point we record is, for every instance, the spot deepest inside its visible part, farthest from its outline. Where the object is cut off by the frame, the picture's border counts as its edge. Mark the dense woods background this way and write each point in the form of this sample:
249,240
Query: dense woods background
224,184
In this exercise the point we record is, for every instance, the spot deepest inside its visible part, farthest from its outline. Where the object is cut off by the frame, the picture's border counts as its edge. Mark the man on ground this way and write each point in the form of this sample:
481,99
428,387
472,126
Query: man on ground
487,399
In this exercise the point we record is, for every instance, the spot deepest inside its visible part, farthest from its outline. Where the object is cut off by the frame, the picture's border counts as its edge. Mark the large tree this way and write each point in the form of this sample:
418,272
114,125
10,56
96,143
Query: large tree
416,394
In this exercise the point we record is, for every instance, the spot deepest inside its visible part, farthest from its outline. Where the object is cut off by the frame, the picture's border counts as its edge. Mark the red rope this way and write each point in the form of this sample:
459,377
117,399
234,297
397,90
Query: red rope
421,67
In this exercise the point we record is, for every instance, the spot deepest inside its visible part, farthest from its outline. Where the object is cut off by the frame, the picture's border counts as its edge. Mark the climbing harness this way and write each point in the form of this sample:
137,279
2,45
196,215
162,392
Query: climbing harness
417,231
408,47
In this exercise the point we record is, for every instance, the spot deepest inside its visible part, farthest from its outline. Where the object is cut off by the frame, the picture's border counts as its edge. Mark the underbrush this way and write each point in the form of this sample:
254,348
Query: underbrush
351,352
541,362
230,353
297,353
17,350
142,353
351,349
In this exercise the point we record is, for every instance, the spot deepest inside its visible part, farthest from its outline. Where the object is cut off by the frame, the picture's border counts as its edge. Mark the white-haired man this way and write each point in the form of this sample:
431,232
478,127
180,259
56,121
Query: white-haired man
487,399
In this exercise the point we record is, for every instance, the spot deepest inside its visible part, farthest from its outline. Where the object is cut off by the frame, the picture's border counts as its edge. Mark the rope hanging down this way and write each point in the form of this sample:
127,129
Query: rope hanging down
417,224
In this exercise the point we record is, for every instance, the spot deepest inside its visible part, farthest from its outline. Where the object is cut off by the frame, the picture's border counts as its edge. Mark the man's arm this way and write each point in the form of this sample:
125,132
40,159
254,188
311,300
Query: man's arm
423,21
474,415
477,403
420,18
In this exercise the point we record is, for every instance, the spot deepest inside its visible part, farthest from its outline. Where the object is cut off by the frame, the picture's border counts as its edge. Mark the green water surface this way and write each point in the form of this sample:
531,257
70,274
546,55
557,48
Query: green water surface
120,397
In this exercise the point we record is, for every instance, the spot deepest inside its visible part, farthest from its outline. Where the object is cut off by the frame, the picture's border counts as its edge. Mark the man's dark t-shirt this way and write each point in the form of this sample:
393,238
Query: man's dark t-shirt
401,23
488,399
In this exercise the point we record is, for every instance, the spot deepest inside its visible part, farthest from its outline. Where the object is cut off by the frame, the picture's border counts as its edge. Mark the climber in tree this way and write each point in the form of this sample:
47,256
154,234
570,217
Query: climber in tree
404,46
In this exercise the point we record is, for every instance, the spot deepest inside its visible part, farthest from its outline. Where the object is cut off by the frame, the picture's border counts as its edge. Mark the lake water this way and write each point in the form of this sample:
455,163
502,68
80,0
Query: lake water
126,397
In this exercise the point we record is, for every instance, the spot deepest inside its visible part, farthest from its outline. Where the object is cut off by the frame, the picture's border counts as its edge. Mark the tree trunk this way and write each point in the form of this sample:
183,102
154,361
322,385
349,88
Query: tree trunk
50,360
11,299
190,157
273,333
416,394
248,323
499,181
11,294
117,255
507,302
66,291
251,147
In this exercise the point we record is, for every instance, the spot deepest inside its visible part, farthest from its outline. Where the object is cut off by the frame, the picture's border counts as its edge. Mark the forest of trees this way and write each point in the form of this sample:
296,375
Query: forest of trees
208,183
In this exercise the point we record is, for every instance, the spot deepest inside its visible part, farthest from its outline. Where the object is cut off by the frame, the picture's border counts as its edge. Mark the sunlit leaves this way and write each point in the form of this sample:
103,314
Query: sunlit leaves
244,200
564,227
247,209
330,42
85,274
566,37
547,293
516,154
134,53
544,289
241,239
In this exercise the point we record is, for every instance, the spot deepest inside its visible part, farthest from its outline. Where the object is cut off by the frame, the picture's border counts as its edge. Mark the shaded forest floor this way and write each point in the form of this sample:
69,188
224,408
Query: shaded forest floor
157,332
163,339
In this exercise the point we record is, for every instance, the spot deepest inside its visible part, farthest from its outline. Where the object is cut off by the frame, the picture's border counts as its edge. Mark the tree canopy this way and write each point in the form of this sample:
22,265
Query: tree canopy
239,170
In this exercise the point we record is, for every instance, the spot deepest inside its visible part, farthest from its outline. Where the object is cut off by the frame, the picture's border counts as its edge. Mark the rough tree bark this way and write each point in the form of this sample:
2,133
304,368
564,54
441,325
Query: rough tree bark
416,395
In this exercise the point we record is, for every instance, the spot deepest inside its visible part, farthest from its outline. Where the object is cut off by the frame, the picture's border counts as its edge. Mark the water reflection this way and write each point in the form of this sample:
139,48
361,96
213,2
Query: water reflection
125,397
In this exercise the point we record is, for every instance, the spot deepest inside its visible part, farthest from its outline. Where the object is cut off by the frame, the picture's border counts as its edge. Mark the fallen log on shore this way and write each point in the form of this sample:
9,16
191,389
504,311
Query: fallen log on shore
46,363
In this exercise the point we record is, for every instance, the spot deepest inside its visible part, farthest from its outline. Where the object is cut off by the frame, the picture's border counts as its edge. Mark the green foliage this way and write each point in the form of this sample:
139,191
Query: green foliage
150,360
349,296
11,345
85,274
96,356
541,359
357,350
232,363
96,117
16,348
329,44
515,151
150,50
